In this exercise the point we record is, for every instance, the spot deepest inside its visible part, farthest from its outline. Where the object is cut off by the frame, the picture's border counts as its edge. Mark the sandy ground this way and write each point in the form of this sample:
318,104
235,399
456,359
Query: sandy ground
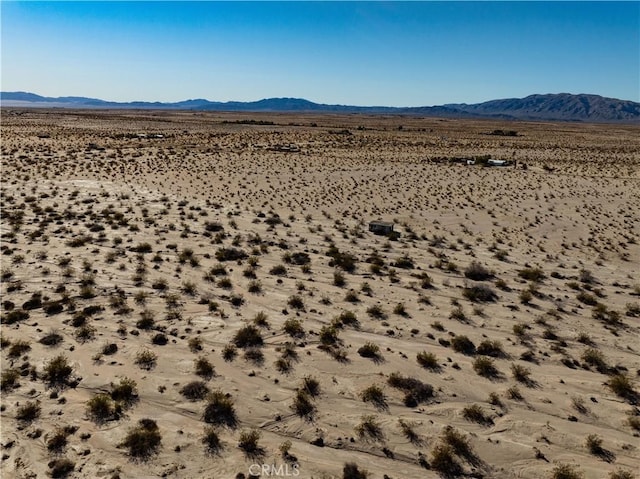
113,217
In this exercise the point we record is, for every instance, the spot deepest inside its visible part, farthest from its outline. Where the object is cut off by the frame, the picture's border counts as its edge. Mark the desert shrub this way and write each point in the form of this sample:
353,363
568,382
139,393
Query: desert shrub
416,392
566,471
278,270
296,302
593,444
14,316
491,348
475,413
458,314
236,300
230,254
125,392
146,359
525,296
254,355
101,407
375,395
339,279
29,411
532,274
621,474
477,272
195,390
352,296
408,430
370,350
143,440
464,345
485,367
520,373
595,358
587,298
248,442
9,379
303,405
18,348
61,467
146,320
211,440
57,371
621,385
444,461
400,310
351,471
514,393
311,386
428,361
293,327
248,336
634,423
328,336
605,315
480,293
85,333
220,410
204,368
344,261
376,312
229,352
458,441
254,287
520,330
369,429
404,262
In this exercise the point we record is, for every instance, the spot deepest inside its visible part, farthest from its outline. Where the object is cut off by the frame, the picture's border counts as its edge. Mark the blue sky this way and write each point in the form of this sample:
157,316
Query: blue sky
358,53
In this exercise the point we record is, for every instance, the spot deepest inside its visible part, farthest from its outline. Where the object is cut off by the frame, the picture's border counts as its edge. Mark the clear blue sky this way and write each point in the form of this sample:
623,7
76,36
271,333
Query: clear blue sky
359,53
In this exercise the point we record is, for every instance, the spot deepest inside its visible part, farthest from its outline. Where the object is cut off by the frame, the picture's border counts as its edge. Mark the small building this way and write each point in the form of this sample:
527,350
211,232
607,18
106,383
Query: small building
498,163
381,227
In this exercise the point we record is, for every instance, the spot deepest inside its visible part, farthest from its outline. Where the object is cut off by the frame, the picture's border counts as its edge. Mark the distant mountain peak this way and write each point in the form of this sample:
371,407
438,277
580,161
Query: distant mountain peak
549,106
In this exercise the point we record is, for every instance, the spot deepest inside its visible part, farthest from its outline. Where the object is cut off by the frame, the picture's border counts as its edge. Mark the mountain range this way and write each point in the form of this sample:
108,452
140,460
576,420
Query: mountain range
551,107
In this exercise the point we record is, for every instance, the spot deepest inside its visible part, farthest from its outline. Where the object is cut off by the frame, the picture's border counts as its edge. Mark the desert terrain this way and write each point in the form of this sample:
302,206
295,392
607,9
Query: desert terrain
192,295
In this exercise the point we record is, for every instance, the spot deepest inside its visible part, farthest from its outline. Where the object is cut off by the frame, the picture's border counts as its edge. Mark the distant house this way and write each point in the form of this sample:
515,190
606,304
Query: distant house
498,163
381,227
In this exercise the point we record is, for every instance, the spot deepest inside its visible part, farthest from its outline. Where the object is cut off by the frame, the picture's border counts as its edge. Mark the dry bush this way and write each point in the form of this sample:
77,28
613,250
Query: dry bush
143,440
220,410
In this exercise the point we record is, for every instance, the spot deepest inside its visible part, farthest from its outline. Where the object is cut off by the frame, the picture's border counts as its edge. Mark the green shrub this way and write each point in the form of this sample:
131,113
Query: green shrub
464,345
220,410
351,471
369,429
375,395
428,361
303,405
61,467
477,272
479,293
29,411
143,440
58,371
248,336
532,274
249,442
293,327
101,408
485,367
566,471
444,461
146,359
211,440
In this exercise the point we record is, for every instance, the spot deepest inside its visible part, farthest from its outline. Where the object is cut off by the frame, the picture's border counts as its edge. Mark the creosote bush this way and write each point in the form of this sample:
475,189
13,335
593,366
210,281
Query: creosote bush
143,440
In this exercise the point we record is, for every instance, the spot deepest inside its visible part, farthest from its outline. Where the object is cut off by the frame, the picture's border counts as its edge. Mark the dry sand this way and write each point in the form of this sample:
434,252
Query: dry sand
129,212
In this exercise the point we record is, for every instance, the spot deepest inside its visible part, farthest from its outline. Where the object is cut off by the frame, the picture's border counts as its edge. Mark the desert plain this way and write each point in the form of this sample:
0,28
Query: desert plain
198,295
